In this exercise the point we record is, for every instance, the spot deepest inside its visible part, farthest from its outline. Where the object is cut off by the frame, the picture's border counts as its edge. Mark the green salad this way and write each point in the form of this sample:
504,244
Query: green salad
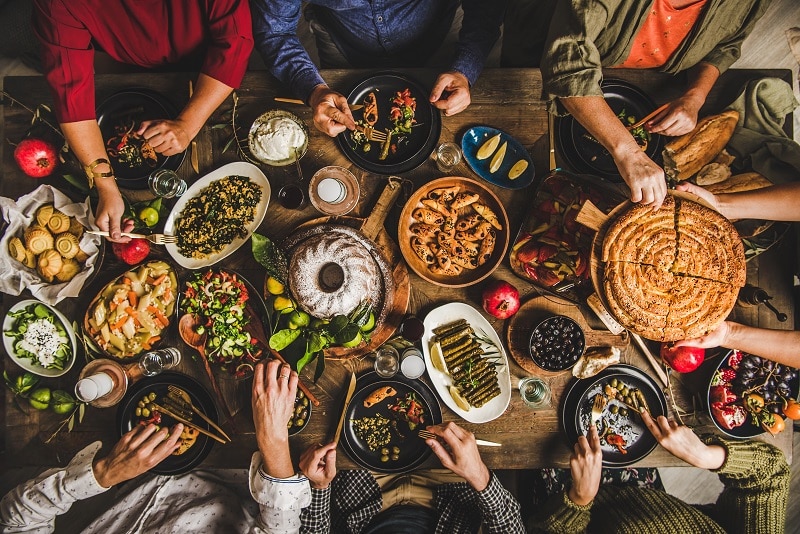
40,337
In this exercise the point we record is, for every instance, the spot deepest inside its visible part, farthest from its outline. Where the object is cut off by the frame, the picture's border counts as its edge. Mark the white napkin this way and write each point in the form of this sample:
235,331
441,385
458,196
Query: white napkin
20,215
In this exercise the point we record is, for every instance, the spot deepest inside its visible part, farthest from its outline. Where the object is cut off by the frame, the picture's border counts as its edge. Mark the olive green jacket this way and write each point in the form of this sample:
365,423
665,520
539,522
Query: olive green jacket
586,35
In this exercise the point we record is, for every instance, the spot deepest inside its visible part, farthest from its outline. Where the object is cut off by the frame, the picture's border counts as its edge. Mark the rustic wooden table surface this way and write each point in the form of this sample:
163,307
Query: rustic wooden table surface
509,99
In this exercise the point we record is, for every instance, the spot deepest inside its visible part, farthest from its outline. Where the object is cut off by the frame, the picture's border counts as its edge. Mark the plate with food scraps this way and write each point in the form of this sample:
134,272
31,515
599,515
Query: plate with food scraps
497,157
482,395
393,104
277,138
38,338
133,410
583,153
747,393
132,158
217,214
382,421
624,439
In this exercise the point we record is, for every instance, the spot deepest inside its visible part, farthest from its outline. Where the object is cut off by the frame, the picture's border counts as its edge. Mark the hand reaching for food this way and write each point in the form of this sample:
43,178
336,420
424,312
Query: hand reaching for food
274,391
700,192
644,178
135,453
110,209
463,458
715,338
586,465
332,115
167,137
683,443
318,464
458,96
679,118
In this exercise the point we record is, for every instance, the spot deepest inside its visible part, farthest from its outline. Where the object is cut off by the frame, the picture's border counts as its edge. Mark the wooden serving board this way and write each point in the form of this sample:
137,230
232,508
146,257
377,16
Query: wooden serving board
532,312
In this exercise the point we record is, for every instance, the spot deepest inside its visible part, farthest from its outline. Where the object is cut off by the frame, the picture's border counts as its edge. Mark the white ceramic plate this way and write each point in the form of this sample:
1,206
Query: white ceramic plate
25,363
252,138
449,313
238,168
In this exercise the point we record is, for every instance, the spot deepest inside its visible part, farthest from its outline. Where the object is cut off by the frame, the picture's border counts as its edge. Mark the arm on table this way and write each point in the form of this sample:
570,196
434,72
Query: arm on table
34,505
774,203
681,115
782,346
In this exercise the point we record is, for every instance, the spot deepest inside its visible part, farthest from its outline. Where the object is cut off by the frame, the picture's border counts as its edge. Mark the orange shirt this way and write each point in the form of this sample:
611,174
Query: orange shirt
661,34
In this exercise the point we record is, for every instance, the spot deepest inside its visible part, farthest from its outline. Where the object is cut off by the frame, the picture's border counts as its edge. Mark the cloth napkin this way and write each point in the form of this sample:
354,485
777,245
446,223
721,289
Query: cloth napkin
19,214
759,141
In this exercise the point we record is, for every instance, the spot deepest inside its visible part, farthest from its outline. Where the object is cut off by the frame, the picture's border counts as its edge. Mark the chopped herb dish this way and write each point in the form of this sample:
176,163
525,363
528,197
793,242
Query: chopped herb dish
374,431
40,337
217,216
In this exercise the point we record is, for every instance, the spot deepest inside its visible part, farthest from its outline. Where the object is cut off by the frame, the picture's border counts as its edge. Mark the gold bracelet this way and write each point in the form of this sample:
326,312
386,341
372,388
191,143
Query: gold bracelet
92,175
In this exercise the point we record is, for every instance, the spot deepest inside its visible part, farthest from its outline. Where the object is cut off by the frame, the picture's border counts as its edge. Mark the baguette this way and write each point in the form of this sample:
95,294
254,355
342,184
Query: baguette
687,154
741,182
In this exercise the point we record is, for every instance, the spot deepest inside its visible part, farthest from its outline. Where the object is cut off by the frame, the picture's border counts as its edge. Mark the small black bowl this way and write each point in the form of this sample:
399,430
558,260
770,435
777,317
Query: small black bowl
302,405
556,343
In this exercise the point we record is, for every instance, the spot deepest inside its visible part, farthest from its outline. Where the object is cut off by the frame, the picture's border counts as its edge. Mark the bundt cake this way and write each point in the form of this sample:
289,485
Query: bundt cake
332,273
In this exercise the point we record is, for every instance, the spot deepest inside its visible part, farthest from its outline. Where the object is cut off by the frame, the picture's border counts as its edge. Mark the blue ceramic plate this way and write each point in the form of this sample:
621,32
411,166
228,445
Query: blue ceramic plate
472,141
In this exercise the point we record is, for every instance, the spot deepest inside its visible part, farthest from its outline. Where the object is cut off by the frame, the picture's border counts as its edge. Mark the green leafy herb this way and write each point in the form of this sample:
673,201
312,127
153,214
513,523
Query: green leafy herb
283,338
271,257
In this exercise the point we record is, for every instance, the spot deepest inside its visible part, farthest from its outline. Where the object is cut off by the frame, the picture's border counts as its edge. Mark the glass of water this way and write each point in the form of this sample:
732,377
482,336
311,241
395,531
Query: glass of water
535,392
448,155
153,362
165,183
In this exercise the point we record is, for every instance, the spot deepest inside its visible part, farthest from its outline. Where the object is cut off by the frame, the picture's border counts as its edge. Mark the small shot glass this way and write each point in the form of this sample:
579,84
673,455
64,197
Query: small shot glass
448,155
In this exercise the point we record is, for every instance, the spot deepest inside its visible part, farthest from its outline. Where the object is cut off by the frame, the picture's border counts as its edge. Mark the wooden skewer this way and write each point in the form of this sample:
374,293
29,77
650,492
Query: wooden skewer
197,411
300,384
649,116
185,422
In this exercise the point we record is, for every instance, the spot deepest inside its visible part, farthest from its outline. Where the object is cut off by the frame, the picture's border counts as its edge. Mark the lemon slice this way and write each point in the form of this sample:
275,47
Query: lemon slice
518,168
488,147
437,358
460,401
497,160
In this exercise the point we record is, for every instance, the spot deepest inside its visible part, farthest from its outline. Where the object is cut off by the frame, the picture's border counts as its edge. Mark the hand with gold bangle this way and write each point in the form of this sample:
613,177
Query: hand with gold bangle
110,207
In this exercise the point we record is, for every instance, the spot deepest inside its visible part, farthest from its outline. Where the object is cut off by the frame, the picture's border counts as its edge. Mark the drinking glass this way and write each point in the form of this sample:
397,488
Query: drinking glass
387,361
535,392
165,183
448,155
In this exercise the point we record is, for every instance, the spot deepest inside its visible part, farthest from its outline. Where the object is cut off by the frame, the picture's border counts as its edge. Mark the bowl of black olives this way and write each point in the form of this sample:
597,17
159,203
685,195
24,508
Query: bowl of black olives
556,343
301,413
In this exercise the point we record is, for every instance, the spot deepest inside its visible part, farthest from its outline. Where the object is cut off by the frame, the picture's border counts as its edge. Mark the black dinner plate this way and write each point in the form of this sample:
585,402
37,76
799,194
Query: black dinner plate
576,411
412,149
136,105
413,449
126,418
584,155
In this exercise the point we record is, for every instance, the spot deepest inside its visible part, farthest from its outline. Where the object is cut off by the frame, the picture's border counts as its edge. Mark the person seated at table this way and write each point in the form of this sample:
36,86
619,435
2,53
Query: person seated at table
197,501
362,34
755,475
774,203
702,37
431,500
214,35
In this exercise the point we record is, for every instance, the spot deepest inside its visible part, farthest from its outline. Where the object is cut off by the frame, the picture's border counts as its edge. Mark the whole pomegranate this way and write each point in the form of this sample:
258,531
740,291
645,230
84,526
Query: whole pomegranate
132,252
500,299
682,359
36,157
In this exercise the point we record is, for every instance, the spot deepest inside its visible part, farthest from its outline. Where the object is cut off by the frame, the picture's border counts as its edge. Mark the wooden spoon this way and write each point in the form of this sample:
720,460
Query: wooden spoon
187,327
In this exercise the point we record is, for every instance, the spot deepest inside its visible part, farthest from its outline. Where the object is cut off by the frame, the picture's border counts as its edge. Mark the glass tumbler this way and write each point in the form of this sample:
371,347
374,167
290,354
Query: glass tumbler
165,183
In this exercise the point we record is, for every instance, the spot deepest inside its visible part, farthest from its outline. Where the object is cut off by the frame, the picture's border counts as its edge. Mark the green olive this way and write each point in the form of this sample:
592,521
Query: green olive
304,415
614,409
152,396
300,394
623,412
628,399
614,382
384,458
138,411
625,391
299,421
385,450
395,450
298,410
289,424
305,401
145,412
140,404
395,457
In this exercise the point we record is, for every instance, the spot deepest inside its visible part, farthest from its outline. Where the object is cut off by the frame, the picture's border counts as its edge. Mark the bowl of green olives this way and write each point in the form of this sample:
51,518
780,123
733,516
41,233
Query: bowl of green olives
300,415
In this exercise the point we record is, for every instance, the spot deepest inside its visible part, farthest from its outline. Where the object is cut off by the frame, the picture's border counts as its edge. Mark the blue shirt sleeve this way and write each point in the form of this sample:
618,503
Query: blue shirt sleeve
480,29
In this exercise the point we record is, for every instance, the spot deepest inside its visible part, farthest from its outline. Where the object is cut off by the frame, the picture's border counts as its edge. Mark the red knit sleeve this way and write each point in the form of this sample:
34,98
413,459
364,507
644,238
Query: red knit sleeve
230,41
68,60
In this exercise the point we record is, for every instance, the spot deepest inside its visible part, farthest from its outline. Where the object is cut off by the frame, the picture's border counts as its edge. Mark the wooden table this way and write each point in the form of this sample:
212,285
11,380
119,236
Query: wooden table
509,99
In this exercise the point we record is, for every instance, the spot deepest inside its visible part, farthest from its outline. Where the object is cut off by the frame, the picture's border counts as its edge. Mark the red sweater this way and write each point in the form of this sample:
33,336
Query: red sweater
147,33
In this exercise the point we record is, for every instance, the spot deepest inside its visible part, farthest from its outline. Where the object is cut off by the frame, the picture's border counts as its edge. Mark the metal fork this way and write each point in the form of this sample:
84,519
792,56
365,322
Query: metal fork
158,239
597,408
425,434
371,133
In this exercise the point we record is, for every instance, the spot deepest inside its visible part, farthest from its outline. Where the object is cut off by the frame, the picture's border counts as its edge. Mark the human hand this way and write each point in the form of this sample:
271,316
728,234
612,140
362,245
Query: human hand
704,194
679,118
136,452
274,390
167,137
645,179
318,464
110,209
716,338
463,457
683,443
586,464
332,115
457,87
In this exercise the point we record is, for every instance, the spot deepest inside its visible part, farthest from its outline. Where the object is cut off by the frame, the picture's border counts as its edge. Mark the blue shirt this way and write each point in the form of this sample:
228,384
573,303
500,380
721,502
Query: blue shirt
374,33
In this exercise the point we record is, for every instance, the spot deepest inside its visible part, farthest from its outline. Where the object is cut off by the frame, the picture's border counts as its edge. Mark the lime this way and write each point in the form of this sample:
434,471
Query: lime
437,359
283,304
40,398
370,324
298,319
149,216
274,287
62,402
353,342
316,324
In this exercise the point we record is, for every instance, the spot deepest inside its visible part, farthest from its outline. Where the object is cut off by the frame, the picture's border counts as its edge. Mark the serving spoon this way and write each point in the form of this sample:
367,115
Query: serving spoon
187,327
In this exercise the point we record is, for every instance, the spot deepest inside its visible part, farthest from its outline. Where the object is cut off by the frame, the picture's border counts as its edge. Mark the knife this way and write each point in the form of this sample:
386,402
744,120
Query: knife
193,145
353,107
350,389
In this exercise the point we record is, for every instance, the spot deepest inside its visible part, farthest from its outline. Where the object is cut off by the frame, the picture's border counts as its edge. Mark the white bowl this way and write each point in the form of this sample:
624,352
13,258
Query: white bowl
262,134
25,363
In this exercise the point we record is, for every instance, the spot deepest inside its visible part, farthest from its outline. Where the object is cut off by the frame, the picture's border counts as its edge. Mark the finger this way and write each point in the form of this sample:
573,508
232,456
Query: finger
648,196
114,228
441,453
142,436
438,88
663,424
460,433
144,126
168,446
583,445
272,373
636,194
258,378
673,424
127,225
594,439
330,464
348,121
284,374
651,425
293,380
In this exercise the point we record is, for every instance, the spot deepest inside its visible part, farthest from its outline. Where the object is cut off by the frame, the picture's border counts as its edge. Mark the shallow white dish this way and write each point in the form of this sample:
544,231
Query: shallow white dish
449,313
238,168
25,363
253,138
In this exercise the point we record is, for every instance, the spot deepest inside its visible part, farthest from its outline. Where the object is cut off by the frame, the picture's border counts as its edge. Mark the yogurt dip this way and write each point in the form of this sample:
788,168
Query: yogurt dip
276,139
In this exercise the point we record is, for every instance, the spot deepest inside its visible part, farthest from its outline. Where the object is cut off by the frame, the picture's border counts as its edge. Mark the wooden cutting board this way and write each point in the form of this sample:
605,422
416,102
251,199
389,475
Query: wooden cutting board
532,312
